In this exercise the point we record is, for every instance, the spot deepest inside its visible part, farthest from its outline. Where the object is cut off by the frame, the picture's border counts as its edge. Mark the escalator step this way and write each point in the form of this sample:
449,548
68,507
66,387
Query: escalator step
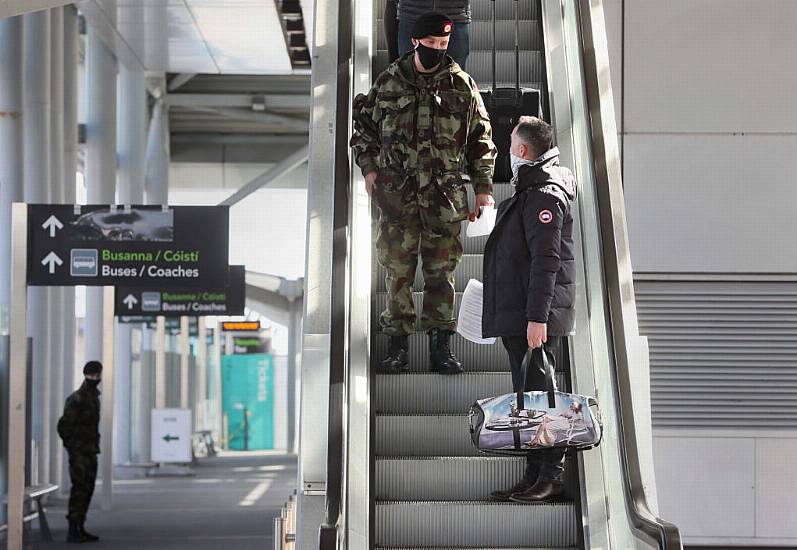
482,10
529,36
424,435
474,357
445,478
481,36
475,548
480,67
469,268
473,524
434,394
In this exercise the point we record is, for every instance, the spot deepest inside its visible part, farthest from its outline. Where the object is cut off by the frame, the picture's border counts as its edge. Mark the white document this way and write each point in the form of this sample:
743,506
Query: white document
484,224
469,323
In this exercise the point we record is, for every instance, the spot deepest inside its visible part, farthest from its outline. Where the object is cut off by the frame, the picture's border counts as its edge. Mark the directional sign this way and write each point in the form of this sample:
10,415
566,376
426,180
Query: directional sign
141,246
175,301
171,435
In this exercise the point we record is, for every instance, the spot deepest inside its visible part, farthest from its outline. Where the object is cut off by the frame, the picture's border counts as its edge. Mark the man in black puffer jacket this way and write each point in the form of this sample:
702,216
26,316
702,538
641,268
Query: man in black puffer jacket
529,281
458,10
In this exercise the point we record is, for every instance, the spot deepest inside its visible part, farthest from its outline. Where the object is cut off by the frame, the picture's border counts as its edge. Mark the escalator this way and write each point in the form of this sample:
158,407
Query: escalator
431,486
401,469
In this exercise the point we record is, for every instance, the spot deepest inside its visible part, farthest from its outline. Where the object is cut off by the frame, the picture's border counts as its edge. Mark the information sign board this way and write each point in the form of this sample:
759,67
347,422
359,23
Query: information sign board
173,301
140,245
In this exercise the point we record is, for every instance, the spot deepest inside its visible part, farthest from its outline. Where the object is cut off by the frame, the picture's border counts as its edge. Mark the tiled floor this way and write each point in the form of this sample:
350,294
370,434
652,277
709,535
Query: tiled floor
229,504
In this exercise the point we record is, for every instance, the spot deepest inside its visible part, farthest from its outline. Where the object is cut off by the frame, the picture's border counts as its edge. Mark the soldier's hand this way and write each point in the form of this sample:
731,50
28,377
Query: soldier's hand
537,334
482,199
369,183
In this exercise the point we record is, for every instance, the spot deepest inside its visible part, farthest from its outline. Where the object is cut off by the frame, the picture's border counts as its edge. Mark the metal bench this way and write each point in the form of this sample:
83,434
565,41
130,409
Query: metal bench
35,495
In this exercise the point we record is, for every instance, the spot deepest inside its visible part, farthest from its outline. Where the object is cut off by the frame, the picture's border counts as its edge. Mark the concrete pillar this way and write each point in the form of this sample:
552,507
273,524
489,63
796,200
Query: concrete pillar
185,361
57,195
70,102
11,160
36,143
132,142
201,376
294,346
100,161
157,190
157,176
10,148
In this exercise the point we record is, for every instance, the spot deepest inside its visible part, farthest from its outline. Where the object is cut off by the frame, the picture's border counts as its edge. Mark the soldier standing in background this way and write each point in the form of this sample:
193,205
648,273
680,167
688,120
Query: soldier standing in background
79,430
421,122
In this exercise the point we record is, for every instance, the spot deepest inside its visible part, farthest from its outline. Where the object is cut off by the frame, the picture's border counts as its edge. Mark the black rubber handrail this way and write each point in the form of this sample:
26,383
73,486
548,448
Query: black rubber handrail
341,181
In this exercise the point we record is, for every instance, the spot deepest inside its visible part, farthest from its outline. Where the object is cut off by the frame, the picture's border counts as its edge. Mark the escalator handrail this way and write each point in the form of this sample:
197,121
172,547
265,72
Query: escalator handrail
617,266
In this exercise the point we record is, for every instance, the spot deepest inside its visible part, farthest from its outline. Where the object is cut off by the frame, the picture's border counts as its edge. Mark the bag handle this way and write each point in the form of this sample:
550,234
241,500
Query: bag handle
549,382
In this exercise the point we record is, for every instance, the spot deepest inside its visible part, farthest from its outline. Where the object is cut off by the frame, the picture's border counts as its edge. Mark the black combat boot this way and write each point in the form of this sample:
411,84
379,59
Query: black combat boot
396,360
75,533
88,536
443,361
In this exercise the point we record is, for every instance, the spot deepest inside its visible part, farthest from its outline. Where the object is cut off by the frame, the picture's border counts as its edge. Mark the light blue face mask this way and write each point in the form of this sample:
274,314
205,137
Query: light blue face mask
517,162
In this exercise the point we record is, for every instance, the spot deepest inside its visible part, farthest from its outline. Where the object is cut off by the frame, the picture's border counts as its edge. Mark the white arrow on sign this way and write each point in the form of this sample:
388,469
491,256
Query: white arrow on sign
52,259
53,224
130,301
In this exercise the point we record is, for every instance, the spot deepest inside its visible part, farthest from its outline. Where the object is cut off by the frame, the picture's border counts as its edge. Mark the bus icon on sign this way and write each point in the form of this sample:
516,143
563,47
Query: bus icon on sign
83,262
150,301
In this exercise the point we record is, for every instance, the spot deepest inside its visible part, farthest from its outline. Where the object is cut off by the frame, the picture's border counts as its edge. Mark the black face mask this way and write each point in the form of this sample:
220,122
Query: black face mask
429,57
92,383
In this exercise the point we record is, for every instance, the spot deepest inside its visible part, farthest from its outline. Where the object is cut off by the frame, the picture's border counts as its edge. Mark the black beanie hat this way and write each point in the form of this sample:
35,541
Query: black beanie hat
93,367
432,23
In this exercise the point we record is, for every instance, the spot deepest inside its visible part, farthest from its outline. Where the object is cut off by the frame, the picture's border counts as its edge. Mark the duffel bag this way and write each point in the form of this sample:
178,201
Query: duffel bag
515,423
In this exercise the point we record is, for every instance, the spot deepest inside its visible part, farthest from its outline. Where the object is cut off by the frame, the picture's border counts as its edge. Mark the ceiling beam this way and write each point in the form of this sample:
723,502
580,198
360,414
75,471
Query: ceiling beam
180,80
268,119
290,163
238,139
297,102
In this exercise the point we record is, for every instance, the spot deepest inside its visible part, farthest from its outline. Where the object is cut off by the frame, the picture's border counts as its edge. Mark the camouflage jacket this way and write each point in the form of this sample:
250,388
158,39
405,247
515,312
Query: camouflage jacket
79,426
424,127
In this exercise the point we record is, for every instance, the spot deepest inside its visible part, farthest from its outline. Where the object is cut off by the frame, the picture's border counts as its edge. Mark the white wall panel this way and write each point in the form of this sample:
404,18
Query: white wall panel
706,485
776,488
711,66
719,204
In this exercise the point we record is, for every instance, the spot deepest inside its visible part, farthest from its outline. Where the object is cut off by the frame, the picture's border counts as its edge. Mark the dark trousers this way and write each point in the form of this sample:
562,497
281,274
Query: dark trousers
391,30
458,44
544,464
83,473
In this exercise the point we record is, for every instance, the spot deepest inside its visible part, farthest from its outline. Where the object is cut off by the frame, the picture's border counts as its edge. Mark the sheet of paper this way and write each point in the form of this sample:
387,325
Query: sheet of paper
484,224
469,323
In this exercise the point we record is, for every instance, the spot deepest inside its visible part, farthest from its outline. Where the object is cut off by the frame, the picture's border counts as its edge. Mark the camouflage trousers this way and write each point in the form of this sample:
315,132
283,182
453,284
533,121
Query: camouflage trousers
406,233
83,474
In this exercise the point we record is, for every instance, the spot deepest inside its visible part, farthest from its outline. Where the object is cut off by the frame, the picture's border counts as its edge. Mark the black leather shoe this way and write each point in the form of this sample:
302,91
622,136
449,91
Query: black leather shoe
503,496
442,360
75,533
396,360
88,537
541,491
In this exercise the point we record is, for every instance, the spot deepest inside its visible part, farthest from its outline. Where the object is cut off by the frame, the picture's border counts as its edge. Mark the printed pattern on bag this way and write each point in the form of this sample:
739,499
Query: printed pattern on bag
497,424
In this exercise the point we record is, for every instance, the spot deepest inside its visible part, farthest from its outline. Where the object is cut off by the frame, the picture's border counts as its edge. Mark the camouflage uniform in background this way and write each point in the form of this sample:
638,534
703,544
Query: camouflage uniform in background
417,131
79,430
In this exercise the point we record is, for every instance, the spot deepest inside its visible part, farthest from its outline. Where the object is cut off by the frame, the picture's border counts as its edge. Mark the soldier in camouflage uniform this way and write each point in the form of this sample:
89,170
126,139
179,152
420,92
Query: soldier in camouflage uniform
421,122
79,430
